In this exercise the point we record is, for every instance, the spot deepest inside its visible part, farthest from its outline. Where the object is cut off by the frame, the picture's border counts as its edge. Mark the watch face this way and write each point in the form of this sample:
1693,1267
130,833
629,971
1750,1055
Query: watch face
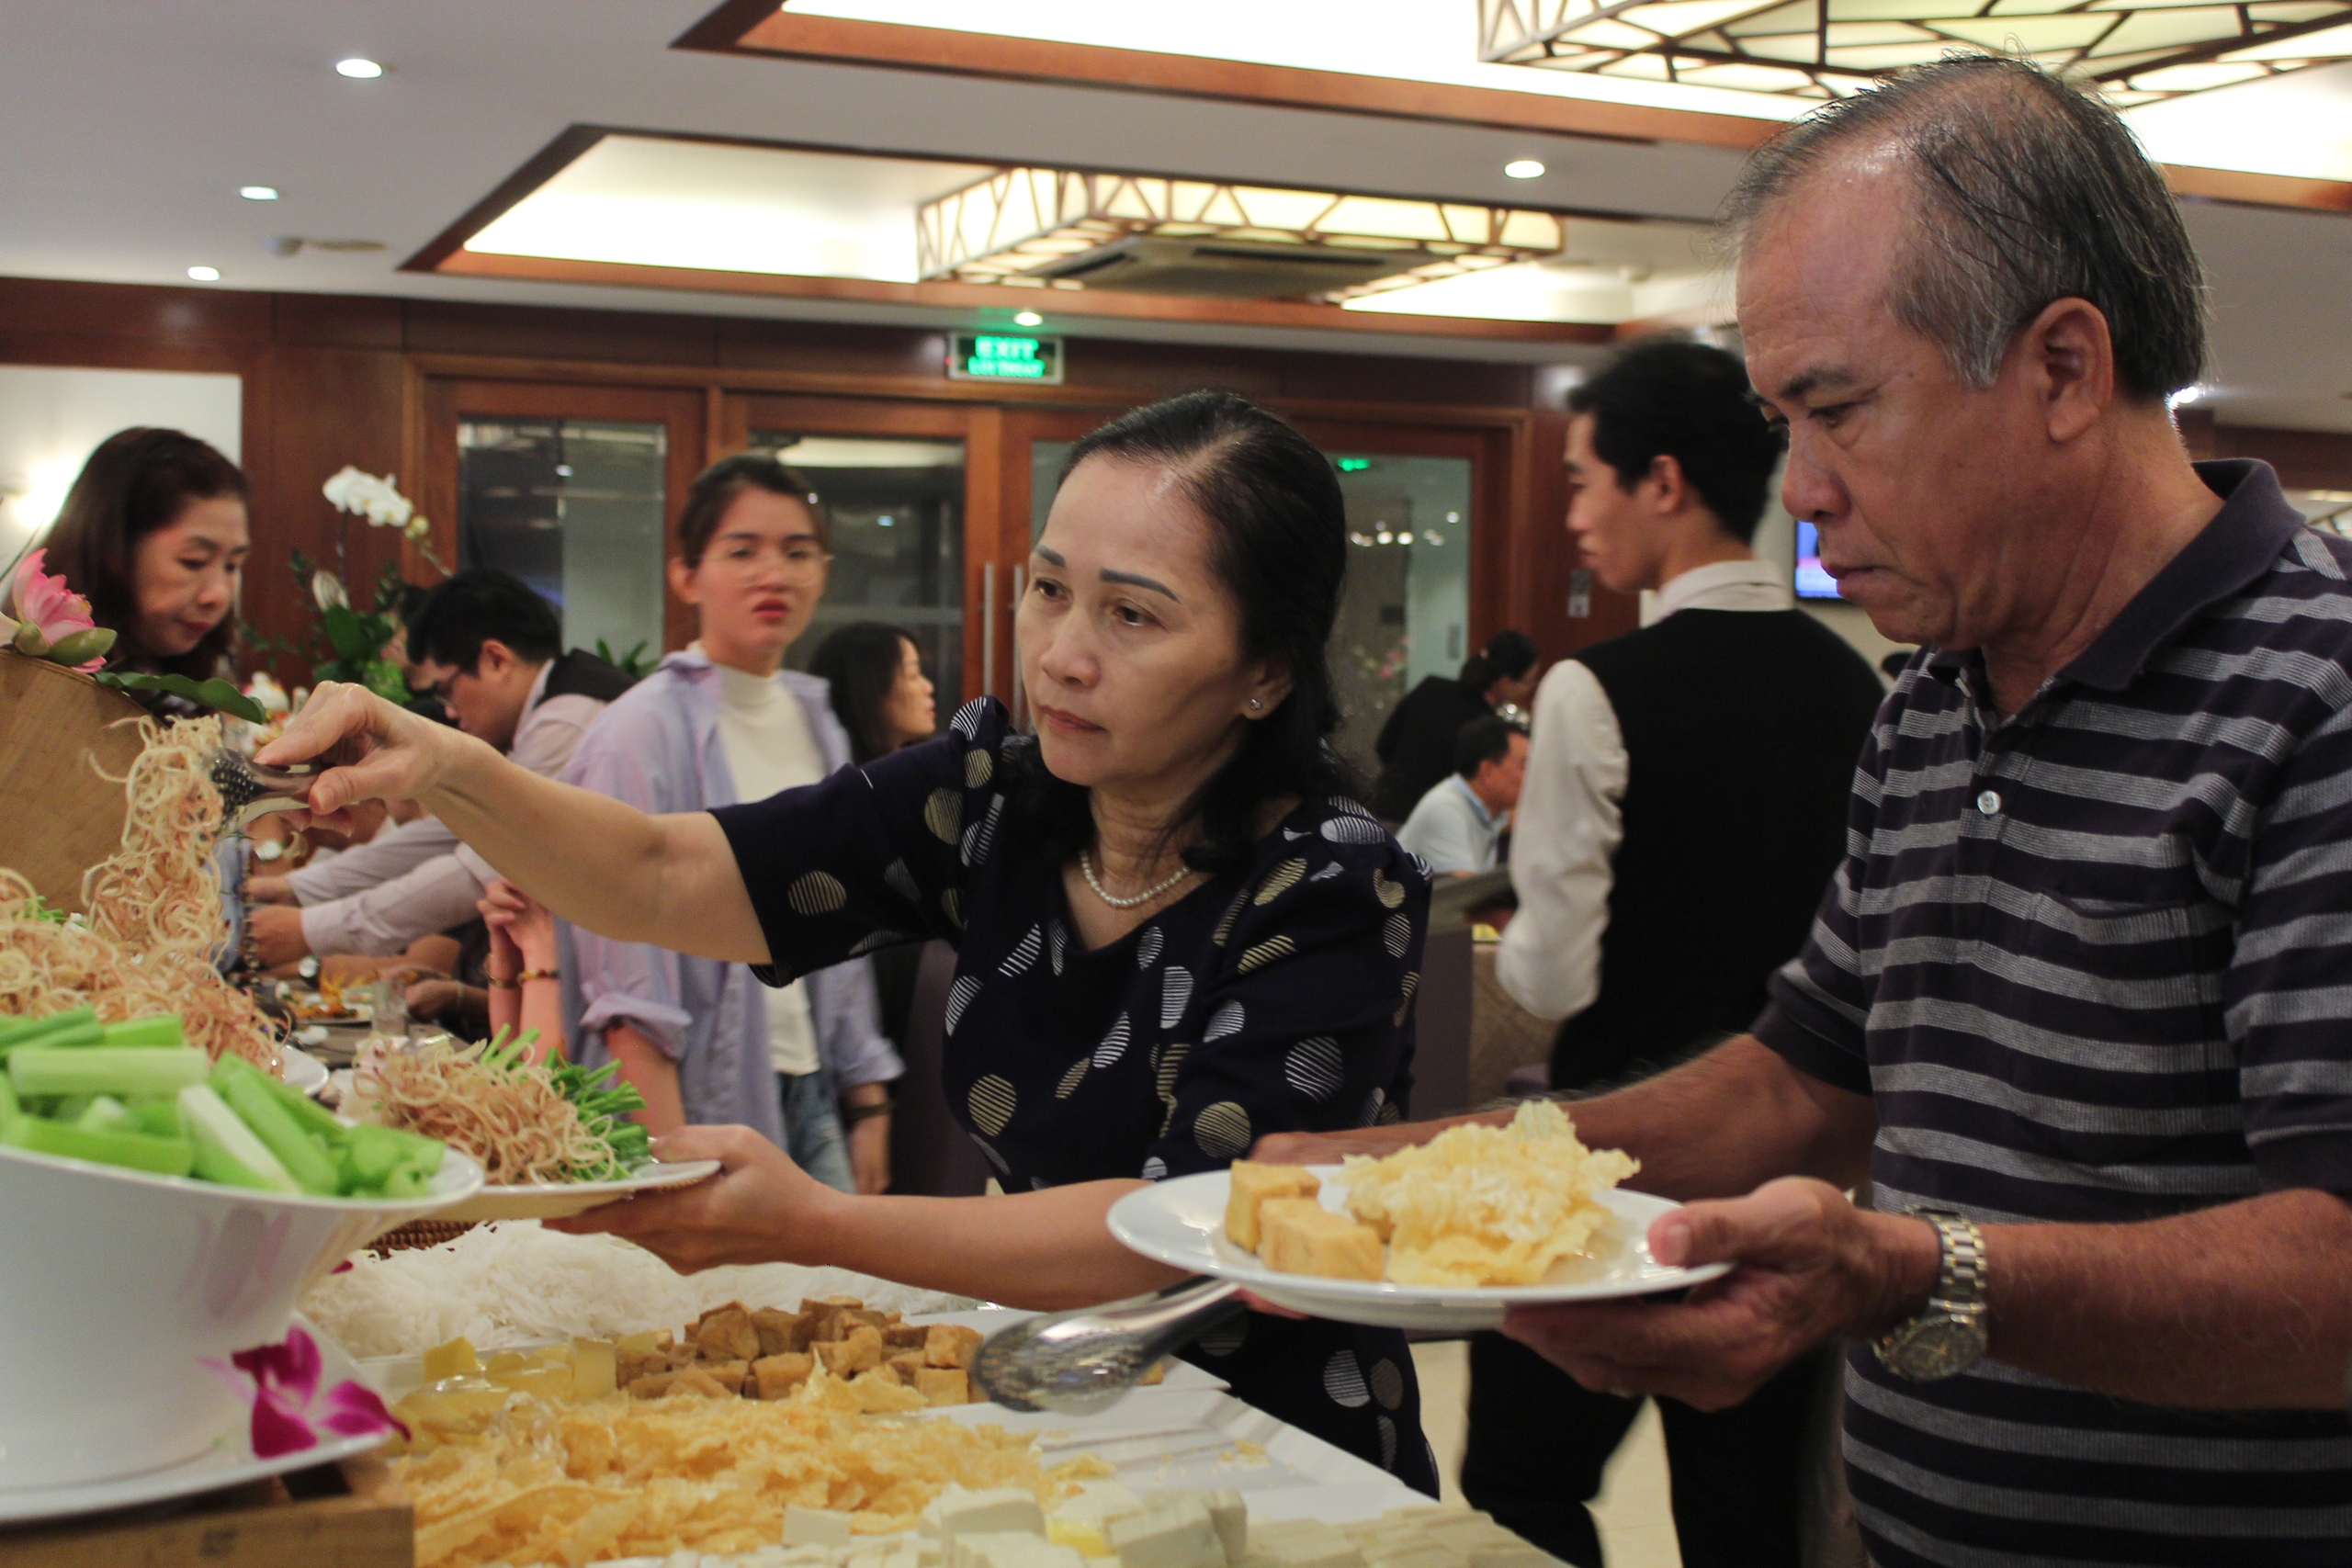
1939,1348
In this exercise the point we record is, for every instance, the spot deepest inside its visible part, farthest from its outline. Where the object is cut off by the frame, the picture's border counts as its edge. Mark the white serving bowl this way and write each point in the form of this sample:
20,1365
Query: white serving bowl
116,1286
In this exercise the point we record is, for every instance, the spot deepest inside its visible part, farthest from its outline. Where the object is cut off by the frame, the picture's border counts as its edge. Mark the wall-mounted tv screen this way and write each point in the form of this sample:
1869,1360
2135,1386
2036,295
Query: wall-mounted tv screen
1812,581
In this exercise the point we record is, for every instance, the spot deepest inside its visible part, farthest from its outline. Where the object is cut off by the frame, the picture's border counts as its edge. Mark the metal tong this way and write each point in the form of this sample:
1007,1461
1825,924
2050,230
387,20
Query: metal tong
1075,1363
250,789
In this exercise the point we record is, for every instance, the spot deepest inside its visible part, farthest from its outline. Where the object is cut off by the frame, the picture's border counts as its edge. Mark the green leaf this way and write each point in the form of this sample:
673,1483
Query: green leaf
215,694
385,679
347,630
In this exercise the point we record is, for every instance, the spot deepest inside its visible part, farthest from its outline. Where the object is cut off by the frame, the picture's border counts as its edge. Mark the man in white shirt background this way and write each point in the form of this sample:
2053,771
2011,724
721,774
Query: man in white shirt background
1712,749
1458,826
492,650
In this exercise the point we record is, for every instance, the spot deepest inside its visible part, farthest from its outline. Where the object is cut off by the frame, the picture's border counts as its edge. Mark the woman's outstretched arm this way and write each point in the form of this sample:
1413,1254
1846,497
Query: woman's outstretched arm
595,861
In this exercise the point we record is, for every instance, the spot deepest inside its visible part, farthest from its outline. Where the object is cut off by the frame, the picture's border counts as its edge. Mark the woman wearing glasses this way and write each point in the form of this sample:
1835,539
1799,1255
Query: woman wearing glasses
721,722
1174,933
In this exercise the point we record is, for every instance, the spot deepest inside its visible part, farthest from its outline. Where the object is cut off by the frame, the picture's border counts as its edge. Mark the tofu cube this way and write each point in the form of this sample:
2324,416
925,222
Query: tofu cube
950,1344
905,1337
959,1511
908,1364
779,1331
728,1334
595,1368
858,1351
943,1385
1301,1236
455,1359
1176,1534
652,1385
1099,1502
732,1376
697,1380
1252,1185
804,1526
775,1377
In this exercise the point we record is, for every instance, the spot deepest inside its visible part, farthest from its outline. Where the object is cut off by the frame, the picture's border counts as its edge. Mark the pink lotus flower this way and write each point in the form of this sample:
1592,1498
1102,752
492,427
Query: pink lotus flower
288,1409
48,613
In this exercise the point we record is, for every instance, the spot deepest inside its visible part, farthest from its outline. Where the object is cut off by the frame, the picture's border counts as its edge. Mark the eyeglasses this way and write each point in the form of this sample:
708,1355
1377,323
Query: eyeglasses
798,562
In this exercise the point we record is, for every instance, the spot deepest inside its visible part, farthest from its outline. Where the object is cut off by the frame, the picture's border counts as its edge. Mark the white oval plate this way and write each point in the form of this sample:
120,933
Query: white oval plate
553,1200
303,1073
1182,1222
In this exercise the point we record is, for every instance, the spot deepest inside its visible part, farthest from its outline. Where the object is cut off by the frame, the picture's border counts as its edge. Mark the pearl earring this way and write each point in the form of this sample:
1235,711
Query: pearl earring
1255,704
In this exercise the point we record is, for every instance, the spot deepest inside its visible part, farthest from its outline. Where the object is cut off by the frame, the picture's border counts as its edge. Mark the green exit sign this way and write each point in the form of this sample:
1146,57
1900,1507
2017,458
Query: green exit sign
991,356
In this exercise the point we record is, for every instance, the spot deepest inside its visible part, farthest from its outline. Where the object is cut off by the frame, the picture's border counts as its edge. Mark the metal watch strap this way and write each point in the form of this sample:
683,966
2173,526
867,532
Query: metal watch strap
1960,1271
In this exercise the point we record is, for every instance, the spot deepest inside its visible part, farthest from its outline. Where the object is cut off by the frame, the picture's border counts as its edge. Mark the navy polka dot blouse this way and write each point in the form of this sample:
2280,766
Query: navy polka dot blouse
1277,999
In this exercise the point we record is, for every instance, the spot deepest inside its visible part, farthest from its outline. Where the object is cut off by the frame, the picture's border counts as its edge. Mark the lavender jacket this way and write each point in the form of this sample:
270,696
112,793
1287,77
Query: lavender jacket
657,747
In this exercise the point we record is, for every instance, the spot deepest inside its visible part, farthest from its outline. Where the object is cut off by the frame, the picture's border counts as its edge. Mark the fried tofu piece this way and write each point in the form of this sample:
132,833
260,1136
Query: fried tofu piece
774,1377
728,1334
950,1344
1301,1236
1253,1185
684,1353
729,1375
780,1332
906,1363
856,1351
900,1336
697,1380
652,1385
826,1314
943,1385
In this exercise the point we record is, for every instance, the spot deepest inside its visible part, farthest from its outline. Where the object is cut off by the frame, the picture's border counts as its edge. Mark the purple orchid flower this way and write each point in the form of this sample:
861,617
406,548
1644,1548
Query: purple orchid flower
288,1408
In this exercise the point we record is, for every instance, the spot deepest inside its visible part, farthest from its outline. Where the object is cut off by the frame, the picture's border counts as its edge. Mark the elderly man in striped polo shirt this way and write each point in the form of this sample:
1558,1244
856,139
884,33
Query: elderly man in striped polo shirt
2079,999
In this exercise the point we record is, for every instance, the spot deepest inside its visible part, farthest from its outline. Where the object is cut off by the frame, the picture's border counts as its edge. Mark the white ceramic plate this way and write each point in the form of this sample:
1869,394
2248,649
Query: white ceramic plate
304,1073
1182,1222
230,1461
553,1202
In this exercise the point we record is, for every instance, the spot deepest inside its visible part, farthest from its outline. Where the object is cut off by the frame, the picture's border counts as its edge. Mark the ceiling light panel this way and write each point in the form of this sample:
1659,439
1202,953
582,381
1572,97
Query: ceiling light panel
2137,51
1024,226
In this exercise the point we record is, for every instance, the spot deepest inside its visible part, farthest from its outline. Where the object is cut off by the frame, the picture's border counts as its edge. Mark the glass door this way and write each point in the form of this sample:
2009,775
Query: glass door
574,490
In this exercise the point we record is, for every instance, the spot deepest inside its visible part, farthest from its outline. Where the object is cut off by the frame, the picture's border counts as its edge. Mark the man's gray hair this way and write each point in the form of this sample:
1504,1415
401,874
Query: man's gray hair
2025,191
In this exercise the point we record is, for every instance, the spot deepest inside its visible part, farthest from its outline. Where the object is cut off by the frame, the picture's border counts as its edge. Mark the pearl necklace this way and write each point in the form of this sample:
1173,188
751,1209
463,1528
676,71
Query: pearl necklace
1145,896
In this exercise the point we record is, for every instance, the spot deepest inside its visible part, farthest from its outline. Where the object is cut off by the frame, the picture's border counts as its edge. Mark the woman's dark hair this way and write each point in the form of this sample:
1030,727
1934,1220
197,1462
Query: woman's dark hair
1507,656
1279,543
716,488
861,661
137,481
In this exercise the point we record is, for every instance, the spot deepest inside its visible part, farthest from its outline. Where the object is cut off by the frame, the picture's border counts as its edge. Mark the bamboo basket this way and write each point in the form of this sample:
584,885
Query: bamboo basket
59,731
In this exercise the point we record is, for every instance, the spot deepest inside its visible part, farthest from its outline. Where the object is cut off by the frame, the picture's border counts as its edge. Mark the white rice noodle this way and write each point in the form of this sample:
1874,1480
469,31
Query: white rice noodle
514,1284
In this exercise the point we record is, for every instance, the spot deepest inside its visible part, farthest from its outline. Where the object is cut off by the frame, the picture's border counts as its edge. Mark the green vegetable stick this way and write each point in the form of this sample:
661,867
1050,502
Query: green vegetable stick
97,1069
274,1126
81,1031
162,1030
226,1150
159,1118
308,1114
9,1109
17,1030
105,1114
137,1151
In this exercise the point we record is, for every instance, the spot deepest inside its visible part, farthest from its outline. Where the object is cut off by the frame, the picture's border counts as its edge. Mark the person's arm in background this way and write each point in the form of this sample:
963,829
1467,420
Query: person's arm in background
860,1061
524,989
654,1072
1564,837
390,853
438,895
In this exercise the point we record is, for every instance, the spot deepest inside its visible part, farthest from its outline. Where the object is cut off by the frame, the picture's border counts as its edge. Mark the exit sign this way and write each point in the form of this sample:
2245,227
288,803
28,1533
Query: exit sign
991,356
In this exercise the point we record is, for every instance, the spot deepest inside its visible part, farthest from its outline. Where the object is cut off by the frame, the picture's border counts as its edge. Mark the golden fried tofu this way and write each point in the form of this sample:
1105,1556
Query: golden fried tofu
950,1344
780,1332
774,1377
898,1336
1301,1236
943,1385
1253,1185
728,1334
858,1350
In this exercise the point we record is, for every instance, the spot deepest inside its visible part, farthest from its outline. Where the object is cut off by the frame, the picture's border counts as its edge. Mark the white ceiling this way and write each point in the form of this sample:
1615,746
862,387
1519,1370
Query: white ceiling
131,123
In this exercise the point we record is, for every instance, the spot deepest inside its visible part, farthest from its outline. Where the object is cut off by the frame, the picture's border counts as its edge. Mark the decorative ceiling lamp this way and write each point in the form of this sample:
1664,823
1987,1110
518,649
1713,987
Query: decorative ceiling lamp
2135,50
1057,228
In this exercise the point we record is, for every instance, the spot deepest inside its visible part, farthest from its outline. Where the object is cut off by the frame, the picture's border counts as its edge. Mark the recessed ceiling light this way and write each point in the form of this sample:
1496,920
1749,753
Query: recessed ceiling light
358,69
258,193
1523,169
205,274
1027,318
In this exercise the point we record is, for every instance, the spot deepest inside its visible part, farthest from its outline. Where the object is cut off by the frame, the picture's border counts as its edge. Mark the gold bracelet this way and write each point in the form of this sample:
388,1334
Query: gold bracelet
529,974
510,984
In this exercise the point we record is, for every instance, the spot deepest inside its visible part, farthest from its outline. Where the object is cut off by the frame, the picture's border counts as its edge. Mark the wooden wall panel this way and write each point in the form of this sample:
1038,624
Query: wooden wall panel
441,326
1146,372
146,315
2306,460
831,348
1358,377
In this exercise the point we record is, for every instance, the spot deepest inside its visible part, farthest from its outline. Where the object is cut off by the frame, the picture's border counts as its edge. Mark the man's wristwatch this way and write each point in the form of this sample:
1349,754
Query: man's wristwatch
1949,1334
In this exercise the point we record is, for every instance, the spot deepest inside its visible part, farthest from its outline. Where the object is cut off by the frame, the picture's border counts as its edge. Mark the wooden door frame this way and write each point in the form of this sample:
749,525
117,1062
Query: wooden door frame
442,402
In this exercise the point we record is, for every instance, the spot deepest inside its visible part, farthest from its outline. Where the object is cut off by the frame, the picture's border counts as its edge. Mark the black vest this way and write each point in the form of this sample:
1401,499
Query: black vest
580,673
1741,728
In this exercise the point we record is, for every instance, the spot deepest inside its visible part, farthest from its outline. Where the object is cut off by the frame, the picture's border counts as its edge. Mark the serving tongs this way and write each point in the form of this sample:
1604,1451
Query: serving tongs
1075,1363
250,789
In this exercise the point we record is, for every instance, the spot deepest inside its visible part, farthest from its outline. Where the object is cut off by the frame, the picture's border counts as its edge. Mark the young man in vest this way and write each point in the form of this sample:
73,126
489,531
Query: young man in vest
1713,748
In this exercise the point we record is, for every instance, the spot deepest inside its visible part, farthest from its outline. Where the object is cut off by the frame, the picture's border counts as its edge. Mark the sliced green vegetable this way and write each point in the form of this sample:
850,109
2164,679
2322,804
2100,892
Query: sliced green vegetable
304,1158
226,1149
163,1029
308,1114
15,1030
98,1069
137,1151
77,1027
9,1109
105,1114
159,1118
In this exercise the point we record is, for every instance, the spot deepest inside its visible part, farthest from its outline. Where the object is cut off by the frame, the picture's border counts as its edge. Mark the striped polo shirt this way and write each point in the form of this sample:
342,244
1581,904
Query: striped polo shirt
2094,964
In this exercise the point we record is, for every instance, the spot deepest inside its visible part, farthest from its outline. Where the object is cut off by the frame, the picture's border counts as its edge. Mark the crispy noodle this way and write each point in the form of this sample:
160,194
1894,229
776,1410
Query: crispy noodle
146,945
511,1118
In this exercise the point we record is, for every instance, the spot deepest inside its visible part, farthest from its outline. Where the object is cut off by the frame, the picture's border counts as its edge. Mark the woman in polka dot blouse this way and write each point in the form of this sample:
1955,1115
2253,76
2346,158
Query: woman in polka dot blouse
1175,934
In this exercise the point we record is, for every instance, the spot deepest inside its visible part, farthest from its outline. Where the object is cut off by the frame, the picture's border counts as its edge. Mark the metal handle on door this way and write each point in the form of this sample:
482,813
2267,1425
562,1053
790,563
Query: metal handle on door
1020,698
987,628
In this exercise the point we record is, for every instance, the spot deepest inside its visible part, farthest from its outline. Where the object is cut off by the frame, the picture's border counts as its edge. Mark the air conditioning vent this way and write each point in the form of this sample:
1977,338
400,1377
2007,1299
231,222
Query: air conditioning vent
1228,269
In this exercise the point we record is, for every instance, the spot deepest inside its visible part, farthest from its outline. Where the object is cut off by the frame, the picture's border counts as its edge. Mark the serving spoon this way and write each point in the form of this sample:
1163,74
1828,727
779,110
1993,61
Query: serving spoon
1075,1363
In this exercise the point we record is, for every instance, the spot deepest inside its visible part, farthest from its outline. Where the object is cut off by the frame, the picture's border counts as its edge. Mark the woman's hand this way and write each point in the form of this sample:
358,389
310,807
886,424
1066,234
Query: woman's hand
761,1209
381,752
869,1154
520,928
